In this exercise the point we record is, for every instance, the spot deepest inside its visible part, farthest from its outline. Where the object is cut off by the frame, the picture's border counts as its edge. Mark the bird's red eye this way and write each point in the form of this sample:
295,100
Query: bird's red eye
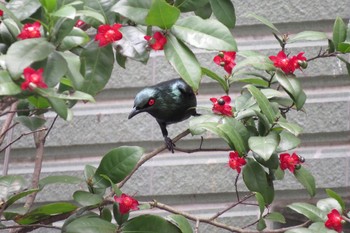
151,102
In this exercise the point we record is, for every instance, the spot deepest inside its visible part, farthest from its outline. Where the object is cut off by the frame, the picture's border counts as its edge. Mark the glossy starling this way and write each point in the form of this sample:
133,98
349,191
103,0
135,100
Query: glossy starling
168,102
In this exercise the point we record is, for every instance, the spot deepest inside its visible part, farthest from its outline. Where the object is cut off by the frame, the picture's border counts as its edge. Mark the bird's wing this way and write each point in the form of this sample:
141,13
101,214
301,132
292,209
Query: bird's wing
184,88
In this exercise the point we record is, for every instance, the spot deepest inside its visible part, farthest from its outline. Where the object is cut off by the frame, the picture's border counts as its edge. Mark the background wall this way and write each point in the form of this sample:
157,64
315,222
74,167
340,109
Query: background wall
202,183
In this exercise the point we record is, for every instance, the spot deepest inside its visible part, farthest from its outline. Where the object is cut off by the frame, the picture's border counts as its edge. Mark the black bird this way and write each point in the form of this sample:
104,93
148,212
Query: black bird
168,102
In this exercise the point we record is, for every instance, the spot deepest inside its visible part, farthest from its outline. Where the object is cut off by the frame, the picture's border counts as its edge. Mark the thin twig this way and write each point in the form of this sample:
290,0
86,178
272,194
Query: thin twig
150,155
8,122
189,151
236,186
218,214
31,226
50,128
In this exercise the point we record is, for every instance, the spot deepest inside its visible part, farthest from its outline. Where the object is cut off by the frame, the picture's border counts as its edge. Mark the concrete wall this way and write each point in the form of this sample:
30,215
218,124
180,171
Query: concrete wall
202,183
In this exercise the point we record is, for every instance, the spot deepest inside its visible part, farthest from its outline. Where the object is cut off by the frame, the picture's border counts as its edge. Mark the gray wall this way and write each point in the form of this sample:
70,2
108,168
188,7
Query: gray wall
202,183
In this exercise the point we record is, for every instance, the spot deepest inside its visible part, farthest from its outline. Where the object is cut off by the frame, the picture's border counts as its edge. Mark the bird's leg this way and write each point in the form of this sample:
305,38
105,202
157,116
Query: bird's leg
168,142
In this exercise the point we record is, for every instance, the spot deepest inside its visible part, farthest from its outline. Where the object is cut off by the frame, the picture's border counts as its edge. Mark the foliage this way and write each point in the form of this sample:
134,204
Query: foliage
71,62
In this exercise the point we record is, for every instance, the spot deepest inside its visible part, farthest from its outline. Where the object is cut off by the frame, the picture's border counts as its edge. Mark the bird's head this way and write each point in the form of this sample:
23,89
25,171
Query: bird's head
145,101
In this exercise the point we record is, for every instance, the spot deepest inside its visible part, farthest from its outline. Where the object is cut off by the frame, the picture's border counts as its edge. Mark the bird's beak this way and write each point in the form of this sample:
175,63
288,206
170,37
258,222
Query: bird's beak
133,113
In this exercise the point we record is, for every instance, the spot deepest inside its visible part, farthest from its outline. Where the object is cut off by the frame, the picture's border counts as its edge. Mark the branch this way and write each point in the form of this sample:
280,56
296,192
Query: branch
8,121
150,155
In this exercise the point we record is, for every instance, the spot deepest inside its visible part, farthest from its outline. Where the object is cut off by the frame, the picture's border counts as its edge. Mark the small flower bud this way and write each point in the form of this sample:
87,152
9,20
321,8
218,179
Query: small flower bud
221,101
303,64
221,54
222,63
301,159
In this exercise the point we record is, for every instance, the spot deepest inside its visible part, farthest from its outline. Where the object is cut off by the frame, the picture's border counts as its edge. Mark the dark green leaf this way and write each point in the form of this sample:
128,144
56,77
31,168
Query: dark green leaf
114,187
217,78
319,227
339,32
204,12
293,88
136,10
272,163
62,28
73,72
258,61
23,53
184,61
59,106
279,173
32,123
291,127
103,7
13,213
344,47
74,95
204,33
55,68
45,211
89,224
117,164
190,5
7,86
255,178
10,15
264,146
346,63
66,11
121,59
22,9
224,11
98,65
337,197
162,14
261,224
265,21
86,198
133,44
90,14
181,222
310,211
308,35
11,184
276,217
149,223
12,29
257,81
59,179
306,179
196,126
106,214
263,103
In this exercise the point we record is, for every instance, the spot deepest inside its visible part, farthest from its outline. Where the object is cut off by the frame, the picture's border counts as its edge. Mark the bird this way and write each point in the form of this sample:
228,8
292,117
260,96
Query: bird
168,102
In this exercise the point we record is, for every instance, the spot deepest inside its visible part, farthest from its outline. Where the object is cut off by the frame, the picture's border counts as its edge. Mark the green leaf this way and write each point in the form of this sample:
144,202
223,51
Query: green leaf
346,63
149,223
89,224
74,95
306,179
204,12
117,164
257,81
264,146
216,77
288,141
308,35
336,196
328,204
7,86
263,103
61,29
119,217
45,211
91,14
319,227
86,198
293,88
255,178
162,14
339,32
55,68
98,65
76,37
291,127
310,211
106,214
11,184
181,222
22,9
59,106
114,187
133,44
224,11
13,213
32,123
195,125
73,72
344,47
49,5
184,61
9,31
258,61
275,217
103,7
59,179
204,33
261,224
66,11
20,195
265,21
261,203
136,10
190,5
236,134
23,53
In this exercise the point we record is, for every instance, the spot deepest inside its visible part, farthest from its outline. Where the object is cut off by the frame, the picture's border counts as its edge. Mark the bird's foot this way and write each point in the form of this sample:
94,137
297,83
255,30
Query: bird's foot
169,144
